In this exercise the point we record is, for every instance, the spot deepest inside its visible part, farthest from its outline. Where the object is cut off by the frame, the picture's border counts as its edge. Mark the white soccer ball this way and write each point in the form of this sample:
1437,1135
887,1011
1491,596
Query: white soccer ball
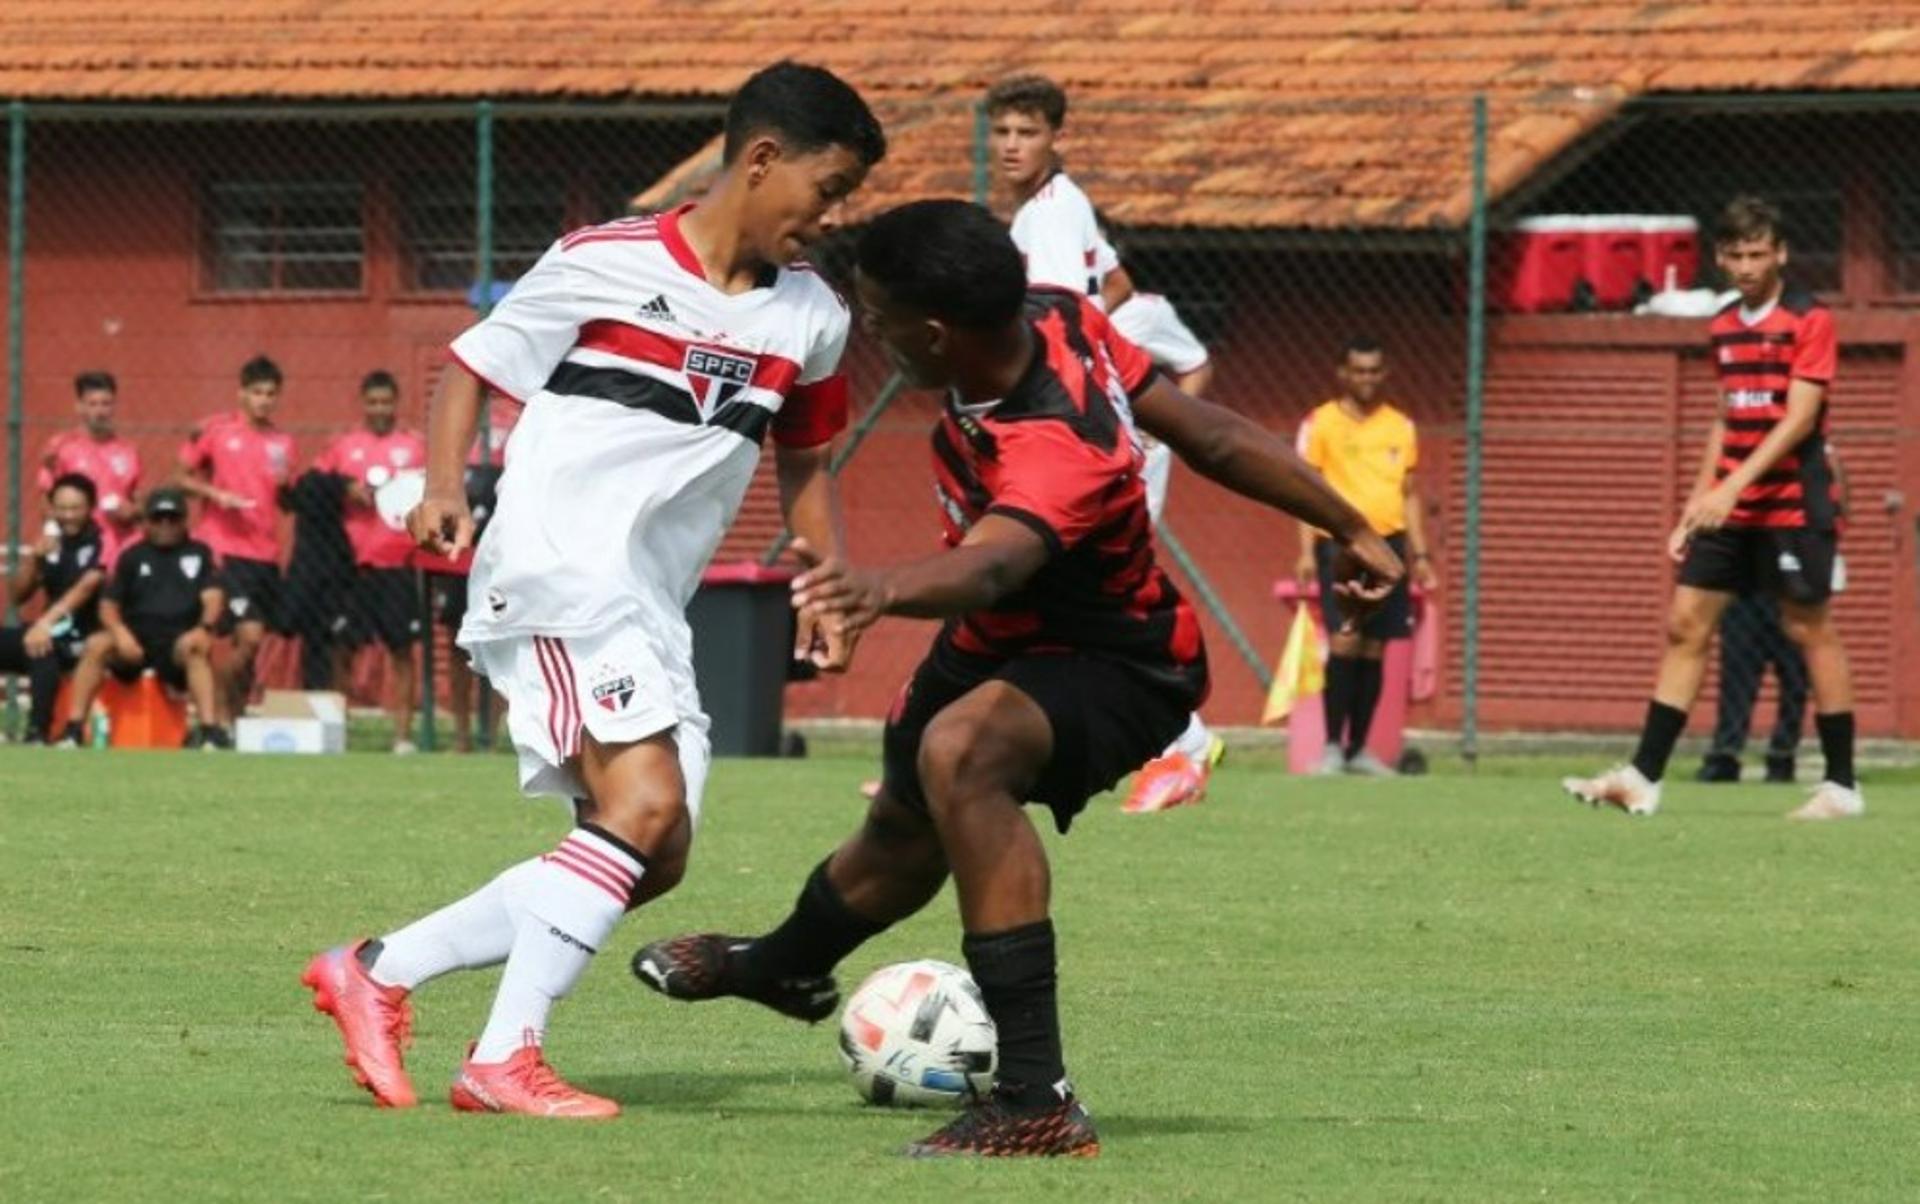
917,1035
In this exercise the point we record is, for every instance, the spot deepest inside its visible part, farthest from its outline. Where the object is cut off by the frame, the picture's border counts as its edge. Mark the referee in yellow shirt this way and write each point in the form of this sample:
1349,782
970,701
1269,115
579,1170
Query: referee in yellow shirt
1367,451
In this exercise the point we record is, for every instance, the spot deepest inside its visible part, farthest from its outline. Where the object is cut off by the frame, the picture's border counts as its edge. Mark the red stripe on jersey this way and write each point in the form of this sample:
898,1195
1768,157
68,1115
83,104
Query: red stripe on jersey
676,242
637,229
771,372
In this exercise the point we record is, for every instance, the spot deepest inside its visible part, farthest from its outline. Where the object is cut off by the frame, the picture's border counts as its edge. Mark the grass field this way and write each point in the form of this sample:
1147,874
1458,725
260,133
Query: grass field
1450,988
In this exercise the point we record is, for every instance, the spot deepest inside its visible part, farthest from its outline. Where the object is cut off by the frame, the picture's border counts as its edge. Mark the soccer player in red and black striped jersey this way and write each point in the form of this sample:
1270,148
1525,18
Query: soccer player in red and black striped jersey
1066,657
1762,517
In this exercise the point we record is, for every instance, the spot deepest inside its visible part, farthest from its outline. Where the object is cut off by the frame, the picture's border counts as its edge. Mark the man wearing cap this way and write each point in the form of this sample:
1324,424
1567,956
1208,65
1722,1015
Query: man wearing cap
158,613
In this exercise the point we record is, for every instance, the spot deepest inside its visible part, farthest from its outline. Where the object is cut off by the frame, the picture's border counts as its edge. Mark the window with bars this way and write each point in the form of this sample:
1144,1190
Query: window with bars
438,229
283,236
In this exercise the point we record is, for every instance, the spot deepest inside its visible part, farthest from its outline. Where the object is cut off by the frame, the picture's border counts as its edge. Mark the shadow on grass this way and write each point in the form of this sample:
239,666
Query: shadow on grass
1120,1124
677,1091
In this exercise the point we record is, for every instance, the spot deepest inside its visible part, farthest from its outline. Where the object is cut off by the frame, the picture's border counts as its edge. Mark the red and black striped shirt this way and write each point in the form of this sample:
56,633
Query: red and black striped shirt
1757,359
1058,455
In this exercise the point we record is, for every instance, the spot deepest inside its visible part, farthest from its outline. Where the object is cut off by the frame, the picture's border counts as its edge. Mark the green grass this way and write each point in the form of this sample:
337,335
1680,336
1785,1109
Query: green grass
1452,988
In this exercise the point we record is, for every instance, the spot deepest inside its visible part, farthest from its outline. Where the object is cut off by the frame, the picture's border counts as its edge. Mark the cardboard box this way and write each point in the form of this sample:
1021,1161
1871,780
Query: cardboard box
294,721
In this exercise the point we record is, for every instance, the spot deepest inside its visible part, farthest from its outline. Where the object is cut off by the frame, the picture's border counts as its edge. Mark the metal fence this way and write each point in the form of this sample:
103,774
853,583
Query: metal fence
1499,254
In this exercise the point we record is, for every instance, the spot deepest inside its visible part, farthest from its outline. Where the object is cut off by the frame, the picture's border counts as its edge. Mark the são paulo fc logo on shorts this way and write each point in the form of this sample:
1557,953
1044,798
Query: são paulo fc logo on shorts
614,693
715,376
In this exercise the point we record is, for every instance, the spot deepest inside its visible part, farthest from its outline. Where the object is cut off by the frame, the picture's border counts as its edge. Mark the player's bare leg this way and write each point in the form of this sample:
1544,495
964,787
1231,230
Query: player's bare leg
886,871
194,654
403,673
1810,625
1635,786
979,759
247,637
88,675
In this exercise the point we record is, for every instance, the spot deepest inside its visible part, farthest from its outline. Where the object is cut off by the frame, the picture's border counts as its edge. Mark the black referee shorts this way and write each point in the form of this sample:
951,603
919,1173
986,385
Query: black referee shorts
1794,564
1107,721
1392,619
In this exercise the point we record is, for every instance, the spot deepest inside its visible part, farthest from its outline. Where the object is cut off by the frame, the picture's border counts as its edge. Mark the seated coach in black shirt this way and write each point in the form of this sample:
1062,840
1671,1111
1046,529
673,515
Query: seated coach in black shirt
158,614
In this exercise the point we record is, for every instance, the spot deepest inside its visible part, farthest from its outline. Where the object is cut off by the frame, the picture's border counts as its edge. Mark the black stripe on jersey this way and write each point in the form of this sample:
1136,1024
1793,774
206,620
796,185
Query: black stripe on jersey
637,391
957,466
1756,368
745,419
630,389
1746,338
1769,504
1028,518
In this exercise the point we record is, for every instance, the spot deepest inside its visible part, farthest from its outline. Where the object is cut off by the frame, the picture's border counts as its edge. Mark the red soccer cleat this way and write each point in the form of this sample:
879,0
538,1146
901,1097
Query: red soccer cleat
1166,782
375,1022
525,1084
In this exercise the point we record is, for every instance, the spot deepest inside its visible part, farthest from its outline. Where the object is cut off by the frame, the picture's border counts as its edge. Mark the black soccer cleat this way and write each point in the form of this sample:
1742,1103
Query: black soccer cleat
1000,1126
707,966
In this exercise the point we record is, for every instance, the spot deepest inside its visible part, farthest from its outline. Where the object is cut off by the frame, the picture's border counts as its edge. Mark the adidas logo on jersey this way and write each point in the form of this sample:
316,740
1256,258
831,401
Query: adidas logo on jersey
659,310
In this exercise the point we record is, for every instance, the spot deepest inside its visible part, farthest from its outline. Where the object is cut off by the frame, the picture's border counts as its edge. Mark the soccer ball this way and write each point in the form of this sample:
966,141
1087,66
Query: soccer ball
917,1035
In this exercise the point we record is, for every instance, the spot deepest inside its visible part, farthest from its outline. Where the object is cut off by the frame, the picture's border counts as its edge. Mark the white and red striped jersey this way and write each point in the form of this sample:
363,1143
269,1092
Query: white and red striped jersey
648,392
1060,238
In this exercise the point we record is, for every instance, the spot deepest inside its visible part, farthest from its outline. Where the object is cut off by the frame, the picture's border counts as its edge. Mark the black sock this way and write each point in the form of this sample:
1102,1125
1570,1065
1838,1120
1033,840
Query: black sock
1369,672
1337,696
1657,738
1836,745
811,941
1016,971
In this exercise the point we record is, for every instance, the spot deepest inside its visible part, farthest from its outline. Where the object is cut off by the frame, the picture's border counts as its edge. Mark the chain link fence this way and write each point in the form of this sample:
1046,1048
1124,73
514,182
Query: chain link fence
1539,278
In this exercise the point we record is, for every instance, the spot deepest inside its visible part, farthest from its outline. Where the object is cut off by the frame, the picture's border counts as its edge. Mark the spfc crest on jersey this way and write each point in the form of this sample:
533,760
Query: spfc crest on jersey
615,693
715,376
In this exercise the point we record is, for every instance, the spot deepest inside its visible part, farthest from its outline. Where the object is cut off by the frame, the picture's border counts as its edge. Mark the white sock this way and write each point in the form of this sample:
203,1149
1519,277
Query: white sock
1194,741
564,907
470,934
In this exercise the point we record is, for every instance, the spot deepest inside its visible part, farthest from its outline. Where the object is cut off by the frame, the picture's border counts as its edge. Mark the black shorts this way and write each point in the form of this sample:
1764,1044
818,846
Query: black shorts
253,593
13,649
384,605
448,592
1391,620
1107,721
157,645
1794,564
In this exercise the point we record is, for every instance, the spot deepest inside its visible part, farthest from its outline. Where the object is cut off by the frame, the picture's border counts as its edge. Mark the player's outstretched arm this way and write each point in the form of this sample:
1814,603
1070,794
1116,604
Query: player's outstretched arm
442,522
1228,448
997,557
809,504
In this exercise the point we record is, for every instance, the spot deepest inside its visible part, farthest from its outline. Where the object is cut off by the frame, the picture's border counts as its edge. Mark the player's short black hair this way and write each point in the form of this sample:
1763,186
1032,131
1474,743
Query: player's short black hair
808,109
951,260
380,378
1361,344
260,370
1029,94
75,480
1747,217
94,381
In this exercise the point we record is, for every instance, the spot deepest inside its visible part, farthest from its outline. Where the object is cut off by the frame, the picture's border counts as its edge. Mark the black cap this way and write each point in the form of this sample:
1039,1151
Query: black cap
166,501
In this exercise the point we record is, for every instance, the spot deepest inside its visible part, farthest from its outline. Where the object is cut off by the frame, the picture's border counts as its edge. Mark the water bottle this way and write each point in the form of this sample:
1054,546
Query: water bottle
102,729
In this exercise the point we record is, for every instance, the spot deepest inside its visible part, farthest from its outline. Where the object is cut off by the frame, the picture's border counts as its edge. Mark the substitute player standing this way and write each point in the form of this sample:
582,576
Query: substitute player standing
1761,516
383,603
654,355
235,463
96,451
1067,656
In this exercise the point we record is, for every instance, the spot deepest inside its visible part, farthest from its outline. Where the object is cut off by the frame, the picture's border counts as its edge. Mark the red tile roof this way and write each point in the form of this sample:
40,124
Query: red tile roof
1196,112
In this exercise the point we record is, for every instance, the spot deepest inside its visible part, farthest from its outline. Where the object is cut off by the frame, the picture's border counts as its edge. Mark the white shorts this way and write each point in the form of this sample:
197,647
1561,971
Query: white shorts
622,685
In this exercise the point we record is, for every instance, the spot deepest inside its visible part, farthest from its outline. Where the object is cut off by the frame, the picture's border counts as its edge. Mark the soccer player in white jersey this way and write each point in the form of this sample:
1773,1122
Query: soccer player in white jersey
1149,321
1053,223
653,355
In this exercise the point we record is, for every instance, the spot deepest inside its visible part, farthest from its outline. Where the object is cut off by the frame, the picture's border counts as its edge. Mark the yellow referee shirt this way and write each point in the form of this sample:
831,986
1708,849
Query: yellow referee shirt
1366,460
